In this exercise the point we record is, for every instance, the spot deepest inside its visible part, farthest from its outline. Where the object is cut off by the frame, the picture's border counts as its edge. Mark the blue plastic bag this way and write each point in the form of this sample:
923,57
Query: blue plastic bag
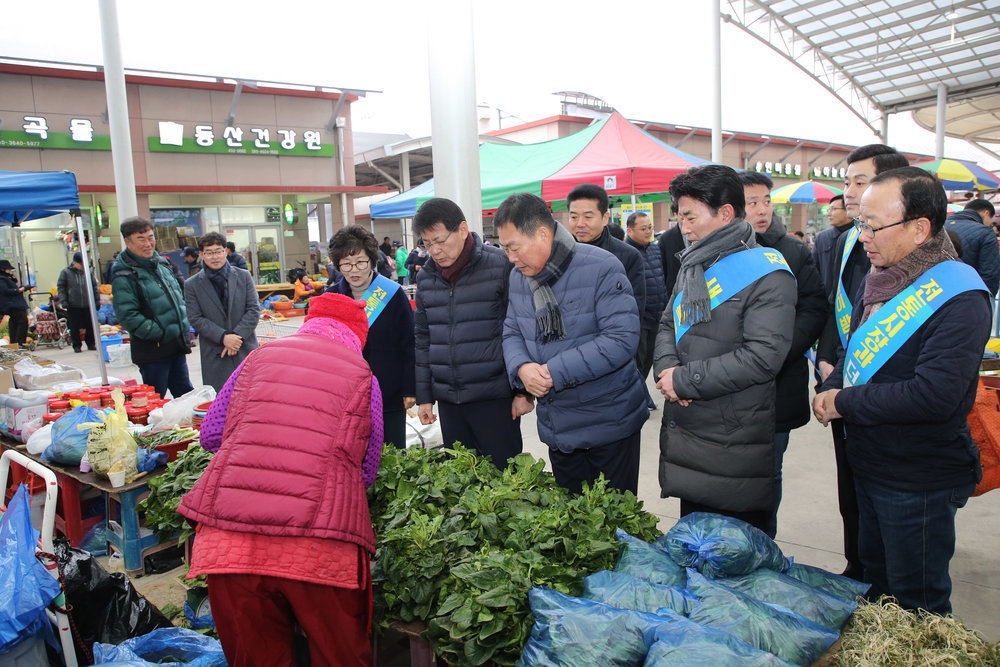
68,443
147,460
721,546
775,588
26,587
176,647
835,584
573,632
779,631
627,592
692,645
643,560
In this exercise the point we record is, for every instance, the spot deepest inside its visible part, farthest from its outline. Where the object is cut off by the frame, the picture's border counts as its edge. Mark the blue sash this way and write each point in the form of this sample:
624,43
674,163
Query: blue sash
730,275
842,305
377,295
890,326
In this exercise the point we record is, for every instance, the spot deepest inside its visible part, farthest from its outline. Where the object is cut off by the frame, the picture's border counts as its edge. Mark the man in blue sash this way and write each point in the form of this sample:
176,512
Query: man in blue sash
905,388
792,383
722,340
850,265
569,339
458,325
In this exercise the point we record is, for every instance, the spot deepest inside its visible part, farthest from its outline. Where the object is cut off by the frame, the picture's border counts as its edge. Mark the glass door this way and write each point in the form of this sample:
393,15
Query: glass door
240,237
266,242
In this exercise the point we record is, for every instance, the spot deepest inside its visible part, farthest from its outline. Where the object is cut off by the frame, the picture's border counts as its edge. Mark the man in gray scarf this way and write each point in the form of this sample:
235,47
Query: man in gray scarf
722,341
571,331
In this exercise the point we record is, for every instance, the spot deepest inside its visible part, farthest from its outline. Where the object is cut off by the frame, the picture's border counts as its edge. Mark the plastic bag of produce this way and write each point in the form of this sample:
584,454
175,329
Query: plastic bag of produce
111,443
572,632
835,584
643,560
180,411
167,646
781,632
721,546
40,440
627,592
776,588
69,442
692,645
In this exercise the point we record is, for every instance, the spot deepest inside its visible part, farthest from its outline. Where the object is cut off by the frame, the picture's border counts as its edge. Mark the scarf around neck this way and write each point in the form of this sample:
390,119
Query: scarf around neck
696,305
548,317
450,273
883,284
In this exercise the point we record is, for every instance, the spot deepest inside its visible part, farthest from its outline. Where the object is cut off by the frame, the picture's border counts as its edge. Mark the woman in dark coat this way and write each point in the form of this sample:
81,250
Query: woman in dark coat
389,350
12,303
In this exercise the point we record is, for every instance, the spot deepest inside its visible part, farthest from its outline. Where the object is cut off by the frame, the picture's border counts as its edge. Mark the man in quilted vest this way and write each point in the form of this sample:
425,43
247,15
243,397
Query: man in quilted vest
283,529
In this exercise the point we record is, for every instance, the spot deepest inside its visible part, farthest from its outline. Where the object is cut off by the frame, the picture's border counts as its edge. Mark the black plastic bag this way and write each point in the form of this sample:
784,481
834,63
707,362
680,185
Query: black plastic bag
104,607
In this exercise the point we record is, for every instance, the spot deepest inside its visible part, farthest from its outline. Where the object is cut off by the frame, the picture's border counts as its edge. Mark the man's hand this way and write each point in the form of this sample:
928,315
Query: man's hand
409,402
231,344
666,386
426,413
536,378
520,406
825,368
825,406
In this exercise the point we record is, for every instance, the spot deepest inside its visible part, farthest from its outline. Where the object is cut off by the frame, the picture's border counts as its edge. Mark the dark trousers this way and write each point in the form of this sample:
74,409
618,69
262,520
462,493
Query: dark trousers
76,319
618,460
485,426
780,444
17,325
848,500
164,375
906,540
394,423
758,519
647,341
256,616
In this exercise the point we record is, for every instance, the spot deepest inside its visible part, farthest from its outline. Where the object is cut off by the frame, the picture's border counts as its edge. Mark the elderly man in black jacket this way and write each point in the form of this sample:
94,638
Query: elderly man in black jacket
72,290
458,327
792,382
905,387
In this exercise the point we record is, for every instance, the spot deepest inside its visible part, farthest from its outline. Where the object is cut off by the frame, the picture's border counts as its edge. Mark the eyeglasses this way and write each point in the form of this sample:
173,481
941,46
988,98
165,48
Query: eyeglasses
360,265
213,253
865,228
429,245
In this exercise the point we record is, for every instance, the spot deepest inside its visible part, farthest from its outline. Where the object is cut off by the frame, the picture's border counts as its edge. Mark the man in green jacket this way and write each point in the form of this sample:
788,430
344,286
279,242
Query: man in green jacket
150,305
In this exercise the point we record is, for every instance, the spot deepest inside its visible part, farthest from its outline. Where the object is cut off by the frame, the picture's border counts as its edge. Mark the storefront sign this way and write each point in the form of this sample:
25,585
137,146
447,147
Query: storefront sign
178,138
269,266
35,132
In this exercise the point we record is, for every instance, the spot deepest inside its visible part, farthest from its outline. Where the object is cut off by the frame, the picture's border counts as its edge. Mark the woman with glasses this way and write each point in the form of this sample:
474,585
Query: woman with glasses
389,350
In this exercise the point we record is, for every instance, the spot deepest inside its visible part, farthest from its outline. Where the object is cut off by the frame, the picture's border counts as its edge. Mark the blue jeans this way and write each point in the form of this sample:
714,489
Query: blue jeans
779,444
164,375
906,540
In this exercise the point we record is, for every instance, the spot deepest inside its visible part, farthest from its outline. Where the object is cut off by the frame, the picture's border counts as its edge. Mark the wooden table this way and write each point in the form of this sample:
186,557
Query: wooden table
287,289
125,534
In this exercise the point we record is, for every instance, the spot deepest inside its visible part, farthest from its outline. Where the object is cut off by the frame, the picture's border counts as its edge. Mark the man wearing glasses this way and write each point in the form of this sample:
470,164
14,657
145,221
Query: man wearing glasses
905,387
825,243
223,309
458,325
639,235
850,266
149,303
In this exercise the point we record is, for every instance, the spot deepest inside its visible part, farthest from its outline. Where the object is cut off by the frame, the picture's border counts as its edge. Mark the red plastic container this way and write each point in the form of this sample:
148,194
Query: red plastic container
174,448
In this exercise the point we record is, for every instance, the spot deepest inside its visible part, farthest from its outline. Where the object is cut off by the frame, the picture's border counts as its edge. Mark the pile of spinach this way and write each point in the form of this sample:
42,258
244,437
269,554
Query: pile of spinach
460,544
166,491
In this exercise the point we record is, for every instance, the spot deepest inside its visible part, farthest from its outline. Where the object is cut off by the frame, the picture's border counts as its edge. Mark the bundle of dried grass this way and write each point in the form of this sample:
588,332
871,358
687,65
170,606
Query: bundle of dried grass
883,633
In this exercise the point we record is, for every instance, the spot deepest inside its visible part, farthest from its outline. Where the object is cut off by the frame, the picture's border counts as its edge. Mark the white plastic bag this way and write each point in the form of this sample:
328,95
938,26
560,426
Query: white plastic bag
29,428
40,440
178,412
29,375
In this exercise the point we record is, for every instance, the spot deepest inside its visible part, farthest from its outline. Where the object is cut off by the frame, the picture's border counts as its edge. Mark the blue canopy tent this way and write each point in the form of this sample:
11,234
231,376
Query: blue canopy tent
30,195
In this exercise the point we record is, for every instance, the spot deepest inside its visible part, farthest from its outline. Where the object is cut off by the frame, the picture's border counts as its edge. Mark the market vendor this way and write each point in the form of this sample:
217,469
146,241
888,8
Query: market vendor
283,531
304,288
12,303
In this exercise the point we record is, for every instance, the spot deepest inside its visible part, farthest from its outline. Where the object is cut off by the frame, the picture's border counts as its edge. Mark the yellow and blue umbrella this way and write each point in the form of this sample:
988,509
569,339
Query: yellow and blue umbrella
961,175
804,192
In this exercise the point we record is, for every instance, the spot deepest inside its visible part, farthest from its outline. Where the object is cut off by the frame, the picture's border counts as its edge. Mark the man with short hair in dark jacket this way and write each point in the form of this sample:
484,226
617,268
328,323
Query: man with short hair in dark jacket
72,290
979,244
458,327
792,382
588,222
640,236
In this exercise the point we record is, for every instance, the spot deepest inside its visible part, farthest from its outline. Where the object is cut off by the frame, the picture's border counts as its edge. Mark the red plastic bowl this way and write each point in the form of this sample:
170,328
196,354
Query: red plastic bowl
203,407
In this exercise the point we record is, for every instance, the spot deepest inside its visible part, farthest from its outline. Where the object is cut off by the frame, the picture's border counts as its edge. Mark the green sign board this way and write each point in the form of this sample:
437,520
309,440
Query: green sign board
190,145
62,140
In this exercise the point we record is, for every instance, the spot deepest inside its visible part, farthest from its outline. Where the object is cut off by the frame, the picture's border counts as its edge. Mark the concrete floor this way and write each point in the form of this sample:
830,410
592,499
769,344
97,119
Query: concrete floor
809,525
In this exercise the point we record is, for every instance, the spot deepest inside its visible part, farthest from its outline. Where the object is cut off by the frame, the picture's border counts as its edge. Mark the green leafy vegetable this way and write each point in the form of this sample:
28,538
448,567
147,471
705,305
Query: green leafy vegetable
460,544
166,491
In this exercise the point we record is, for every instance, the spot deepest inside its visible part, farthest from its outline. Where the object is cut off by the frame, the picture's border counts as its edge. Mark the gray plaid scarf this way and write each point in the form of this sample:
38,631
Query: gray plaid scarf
547,316
696,305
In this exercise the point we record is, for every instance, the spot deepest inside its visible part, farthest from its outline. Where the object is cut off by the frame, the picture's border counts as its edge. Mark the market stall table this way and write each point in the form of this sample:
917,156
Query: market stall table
279,289
125,535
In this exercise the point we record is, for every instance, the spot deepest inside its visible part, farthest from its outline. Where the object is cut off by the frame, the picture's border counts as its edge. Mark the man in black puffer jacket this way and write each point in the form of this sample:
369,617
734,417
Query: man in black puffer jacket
792,383
458,326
